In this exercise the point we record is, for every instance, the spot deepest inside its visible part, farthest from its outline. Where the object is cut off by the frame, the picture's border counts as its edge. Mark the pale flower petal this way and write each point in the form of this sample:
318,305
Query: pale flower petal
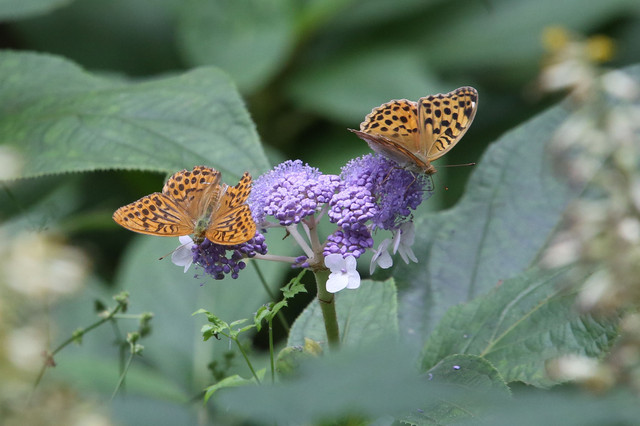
336,282
334,262
183,256
403,240
343,272
381,257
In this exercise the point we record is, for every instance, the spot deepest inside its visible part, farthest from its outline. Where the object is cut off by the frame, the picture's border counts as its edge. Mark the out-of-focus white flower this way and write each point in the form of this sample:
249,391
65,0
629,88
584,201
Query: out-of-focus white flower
40,264
183,255
343,272
10,163
25,347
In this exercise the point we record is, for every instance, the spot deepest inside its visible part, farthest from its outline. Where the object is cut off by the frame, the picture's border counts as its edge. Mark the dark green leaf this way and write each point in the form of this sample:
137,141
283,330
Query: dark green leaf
519,326
513,202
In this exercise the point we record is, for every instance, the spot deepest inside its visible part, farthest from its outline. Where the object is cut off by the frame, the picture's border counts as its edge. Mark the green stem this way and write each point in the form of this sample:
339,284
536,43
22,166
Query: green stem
123,375
246,358
74,337
273,367
263,281
328,307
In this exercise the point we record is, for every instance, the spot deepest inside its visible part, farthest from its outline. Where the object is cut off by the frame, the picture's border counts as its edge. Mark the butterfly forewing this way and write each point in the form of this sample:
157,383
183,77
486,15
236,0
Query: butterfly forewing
232,223
155,214
396,120
444,119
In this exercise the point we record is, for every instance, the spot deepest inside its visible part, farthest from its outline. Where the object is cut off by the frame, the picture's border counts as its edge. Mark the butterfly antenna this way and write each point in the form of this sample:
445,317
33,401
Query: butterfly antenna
171,252
458,165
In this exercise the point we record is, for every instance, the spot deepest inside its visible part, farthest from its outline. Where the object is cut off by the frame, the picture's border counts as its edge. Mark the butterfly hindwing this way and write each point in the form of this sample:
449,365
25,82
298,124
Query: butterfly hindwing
194,189
444,119
232,223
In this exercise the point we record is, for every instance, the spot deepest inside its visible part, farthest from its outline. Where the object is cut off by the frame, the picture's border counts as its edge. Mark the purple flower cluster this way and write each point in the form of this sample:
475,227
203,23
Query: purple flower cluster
291,192
218,260
396,191
376,190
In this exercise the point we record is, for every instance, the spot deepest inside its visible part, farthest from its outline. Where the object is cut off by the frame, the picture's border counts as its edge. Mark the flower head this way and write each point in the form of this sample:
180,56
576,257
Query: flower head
218,260
394,191
291,192
343,273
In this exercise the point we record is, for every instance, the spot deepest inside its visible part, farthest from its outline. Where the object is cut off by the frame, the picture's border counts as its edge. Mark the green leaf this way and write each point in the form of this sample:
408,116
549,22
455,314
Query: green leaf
364,314
520,325
249,39
294,286
63,119
467,373
18,9
231,382
513,202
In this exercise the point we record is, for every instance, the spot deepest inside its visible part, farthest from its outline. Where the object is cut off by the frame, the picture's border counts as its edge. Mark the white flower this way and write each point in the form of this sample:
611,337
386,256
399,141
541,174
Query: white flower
183,256
381,256
343,272
403,239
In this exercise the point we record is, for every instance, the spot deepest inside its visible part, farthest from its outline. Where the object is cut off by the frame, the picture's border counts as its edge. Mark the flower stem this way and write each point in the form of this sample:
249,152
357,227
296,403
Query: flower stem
328,307
123,375
246,358
273,366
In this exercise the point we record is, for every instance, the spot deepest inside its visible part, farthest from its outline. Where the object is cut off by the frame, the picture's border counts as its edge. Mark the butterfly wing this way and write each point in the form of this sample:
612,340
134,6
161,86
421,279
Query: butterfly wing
155,214
194,190
232,223
392,150
174,211
392,130
444,119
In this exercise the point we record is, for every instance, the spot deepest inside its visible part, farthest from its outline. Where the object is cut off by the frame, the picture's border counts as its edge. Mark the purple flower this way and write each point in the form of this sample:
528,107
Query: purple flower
394,190
218,260
291,192
348,242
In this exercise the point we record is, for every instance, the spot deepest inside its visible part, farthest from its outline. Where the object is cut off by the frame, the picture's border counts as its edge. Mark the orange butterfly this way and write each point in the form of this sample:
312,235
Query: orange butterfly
414,134
194,202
